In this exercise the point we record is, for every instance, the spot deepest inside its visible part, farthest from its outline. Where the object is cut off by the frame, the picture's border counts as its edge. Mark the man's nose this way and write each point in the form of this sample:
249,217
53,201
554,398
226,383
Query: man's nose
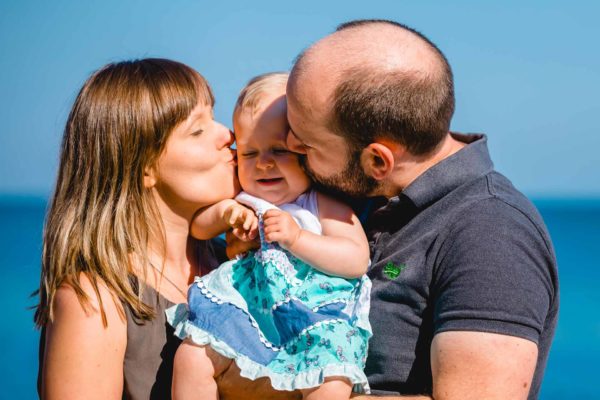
294,144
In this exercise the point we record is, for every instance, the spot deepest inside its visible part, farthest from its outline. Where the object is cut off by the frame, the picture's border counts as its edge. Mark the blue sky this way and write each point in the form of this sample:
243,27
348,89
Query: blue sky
527,73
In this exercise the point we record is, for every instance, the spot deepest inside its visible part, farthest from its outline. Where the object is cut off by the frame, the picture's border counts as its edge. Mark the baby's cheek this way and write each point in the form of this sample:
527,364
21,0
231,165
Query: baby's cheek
290,161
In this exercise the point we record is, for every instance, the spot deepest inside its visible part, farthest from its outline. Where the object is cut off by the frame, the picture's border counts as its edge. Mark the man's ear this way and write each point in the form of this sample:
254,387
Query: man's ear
150,177
377,160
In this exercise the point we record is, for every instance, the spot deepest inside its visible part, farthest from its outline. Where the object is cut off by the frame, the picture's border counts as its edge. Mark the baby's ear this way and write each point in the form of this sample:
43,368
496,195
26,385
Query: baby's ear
150,177
377,161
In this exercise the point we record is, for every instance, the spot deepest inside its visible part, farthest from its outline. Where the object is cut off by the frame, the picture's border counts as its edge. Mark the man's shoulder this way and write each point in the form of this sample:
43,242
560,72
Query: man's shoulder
502,205
496,222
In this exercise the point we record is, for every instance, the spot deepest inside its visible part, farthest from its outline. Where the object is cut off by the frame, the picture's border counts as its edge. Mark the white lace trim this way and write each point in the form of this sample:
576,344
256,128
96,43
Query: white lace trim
281,261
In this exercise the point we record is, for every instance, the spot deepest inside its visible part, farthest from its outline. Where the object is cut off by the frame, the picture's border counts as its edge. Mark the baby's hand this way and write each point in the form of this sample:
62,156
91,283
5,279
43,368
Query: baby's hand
242,220
280,227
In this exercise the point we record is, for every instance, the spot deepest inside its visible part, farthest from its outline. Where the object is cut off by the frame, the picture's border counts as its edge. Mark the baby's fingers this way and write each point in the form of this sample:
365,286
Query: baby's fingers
250,220
272,213
272,237
253,231
271,219
272,233
232,215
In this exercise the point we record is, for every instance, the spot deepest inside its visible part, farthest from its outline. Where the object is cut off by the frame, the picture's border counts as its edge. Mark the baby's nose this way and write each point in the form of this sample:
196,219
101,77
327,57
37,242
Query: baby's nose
265,161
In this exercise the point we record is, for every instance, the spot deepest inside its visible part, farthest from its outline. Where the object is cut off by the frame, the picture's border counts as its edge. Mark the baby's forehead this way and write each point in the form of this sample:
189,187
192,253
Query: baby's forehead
268,123
260,135
270,104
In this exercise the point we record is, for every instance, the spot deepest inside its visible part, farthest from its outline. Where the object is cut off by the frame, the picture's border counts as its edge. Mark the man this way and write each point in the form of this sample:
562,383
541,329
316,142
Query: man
465,291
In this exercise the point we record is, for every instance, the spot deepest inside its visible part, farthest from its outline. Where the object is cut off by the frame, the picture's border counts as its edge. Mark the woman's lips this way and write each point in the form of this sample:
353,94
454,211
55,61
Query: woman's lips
269,182
233,157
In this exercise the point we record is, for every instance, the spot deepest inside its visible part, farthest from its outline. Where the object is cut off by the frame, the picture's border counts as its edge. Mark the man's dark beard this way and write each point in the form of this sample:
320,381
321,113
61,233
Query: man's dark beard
352,181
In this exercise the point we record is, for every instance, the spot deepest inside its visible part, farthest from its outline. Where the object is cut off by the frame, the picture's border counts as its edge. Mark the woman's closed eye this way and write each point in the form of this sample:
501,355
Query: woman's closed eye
197,132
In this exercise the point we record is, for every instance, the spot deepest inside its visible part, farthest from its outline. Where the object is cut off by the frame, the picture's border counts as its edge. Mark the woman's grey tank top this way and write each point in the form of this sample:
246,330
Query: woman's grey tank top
151,345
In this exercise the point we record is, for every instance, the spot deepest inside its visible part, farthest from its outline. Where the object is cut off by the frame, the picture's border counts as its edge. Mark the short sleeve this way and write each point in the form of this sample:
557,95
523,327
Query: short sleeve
493,273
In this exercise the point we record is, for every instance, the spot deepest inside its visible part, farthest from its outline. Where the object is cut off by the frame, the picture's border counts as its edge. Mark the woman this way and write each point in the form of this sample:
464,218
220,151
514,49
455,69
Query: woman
141,154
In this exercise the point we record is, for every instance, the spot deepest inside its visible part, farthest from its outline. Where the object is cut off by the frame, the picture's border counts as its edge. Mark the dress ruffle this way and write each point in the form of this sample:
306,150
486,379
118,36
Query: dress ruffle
178,315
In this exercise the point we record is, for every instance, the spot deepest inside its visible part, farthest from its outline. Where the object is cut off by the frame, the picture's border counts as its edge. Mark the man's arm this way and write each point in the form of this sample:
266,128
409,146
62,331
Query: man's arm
479,365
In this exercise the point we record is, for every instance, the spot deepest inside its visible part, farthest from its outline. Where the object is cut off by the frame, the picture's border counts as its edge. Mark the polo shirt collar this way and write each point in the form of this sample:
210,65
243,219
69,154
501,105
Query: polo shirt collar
467,164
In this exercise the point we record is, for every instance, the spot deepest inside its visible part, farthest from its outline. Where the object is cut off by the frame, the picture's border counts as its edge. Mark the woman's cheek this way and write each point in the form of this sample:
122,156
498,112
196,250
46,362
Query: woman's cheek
243,172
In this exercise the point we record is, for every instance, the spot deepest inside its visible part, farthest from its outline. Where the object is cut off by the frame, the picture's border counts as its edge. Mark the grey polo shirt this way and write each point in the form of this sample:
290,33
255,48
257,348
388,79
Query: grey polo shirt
460,249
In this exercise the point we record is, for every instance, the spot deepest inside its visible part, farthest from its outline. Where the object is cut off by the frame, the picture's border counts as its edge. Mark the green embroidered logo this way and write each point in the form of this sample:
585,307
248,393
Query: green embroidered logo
392,271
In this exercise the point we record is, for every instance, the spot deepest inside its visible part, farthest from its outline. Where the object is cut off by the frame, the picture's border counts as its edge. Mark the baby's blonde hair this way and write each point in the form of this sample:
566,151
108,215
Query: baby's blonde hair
250,95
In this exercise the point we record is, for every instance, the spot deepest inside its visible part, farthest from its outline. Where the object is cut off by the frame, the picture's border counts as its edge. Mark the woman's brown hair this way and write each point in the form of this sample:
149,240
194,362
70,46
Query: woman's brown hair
101,218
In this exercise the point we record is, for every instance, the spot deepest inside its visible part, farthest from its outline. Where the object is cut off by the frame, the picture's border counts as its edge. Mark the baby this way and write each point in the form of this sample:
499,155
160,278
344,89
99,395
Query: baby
296,310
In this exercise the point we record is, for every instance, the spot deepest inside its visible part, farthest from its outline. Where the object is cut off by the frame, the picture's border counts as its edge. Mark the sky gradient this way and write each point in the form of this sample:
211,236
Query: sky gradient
528,75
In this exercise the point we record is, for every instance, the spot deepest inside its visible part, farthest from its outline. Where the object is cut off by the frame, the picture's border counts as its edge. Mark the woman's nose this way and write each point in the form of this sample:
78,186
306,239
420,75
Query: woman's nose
225,135
294,144
231,139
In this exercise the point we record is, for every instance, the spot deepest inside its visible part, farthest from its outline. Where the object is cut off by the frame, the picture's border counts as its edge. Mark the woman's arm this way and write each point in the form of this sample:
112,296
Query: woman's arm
83,359
211,221
341,250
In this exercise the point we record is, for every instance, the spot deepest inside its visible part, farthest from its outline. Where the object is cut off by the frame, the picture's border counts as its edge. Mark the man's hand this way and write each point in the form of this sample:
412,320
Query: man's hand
280,227
232,387
236,246
242,220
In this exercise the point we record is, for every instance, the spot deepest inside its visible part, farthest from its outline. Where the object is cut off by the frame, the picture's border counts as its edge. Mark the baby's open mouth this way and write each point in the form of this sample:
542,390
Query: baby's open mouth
270,181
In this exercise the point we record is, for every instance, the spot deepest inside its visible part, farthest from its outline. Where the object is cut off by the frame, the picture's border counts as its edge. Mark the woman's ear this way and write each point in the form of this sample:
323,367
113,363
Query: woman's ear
150,177
377,160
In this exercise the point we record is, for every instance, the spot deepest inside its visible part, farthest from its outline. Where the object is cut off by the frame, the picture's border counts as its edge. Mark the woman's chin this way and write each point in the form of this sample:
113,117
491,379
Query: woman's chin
237,188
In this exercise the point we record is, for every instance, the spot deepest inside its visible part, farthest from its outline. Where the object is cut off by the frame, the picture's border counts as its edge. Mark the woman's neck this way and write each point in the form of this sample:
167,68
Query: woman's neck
179,254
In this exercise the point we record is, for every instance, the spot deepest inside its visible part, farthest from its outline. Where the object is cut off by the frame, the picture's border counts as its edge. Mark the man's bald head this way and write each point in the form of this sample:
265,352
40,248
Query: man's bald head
374,79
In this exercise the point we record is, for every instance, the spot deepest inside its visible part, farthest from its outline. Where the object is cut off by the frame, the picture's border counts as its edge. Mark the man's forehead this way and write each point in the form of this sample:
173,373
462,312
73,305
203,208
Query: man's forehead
308,107
300,119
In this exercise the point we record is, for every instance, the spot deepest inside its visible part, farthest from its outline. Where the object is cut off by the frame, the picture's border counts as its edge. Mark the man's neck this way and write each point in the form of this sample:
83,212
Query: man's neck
409,167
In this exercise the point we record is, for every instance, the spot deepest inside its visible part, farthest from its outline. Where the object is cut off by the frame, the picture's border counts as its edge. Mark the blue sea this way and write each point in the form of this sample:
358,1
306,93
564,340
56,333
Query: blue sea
572,368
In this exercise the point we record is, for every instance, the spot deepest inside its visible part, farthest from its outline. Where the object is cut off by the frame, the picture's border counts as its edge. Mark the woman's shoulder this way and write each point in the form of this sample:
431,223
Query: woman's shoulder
82,345
89,302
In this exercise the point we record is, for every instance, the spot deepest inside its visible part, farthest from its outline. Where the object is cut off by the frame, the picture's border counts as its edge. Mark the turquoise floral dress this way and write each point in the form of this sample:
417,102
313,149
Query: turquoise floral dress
278,317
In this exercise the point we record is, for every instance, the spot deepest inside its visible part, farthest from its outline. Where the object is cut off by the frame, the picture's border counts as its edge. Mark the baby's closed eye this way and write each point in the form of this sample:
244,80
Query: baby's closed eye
280,150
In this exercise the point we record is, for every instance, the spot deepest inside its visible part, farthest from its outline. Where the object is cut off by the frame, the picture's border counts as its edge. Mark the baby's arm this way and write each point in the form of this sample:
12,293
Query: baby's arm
341,250
213,220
